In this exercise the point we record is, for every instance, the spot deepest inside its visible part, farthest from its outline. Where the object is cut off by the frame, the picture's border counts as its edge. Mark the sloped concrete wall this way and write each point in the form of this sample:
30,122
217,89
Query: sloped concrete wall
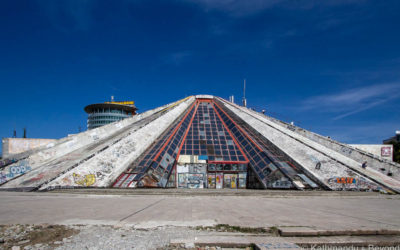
49,157
12,146
308,153
359,155
104,168
380,150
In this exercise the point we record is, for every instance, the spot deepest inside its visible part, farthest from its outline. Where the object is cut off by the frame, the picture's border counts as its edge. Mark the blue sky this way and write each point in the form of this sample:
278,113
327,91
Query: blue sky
330,66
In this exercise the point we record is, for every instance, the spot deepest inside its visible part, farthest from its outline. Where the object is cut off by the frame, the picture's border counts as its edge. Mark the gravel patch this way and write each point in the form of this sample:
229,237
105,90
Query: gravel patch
93,237
107,237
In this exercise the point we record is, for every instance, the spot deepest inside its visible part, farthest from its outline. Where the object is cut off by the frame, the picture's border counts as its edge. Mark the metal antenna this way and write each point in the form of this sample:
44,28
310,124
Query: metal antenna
244,89
244,94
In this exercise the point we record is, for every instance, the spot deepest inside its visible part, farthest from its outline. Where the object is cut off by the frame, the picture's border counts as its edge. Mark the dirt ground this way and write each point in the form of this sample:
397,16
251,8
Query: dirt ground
31,235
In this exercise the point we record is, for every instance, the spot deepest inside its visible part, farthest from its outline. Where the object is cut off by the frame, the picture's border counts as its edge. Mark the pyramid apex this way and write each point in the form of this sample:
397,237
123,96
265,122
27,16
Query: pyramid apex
204,97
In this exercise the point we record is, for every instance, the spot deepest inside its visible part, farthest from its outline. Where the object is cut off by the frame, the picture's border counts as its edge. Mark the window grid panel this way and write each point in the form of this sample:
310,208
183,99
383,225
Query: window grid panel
260,165
146,159
207,131
165,170
277,157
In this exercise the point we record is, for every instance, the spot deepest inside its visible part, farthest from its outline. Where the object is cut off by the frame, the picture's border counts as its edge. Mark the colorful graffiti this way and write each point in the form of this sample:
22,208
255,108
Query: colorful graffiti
351,183
66,181
84,180
195,180
219,180
6,162
14,171
17,170
182,180
346,180
211,181
346,150
186,180
3,178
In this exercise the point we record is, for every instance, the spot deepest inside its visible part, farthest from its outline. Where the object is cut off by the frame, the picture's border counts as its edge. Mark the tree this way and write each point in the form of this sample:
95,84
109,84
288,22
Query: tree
396,151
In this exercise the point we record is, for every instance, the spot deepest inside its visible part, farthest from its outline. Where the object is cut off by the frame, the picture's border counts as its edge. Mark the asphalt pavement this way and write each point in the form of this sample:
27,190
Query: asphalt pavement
152,208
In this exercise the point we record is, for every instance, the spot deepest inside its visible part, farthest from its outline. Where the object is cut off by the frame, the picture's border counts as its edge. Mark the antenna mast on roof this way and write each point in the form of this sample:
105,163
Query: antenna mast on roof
244,94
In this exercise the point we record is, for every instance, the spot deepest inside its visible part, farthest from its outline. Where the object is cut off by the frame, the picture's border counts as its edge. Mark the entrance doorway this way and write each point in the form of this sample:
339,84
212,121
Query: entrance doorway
213,176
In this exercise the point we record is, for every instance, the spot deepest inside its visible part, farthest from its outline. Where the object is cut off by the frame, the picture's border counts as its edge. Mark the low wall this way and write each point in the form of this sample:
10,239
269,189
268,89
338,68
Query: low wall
12,146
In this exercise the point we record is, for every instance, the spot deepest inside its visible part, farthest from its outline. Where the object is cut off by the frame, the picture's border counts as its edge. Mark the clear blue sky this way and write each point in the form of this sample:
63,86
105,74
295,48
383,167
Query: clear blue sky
330,66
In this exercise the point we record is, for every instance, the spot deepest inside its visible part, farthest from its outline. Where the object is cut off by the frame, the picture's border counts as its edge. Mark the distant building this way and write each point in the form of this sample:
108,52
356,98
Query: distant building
100,114
395,138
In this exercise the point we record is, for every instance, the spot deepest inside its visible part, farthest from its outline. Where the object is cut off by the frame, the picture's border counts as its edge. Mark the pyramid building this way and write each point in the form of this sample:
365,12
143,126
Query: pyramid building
201,141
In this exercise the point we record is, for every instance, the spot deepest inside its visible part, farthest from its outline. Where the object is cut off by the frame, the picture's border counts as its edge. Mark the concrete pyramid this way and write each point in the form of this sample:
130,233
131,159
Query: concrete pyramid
201,141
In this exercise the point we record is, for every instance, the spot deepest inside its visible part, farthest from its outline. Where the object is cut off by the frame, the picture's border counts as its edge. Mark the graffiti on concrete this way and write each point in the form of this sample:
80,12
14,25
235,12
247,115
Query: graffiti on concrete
186,180
195,180
18,170
99,175
3,177
6,162
106,167
346,180
197,169
84,180
351,183
211,180
242,180
219,180
291,127
14,171
182,180
66,181
346,150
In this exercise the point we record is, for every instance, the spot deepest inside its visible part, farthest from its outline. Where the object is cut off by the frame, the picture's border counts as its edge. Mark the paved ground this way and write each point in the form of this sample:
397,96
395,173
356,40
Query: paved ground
325,210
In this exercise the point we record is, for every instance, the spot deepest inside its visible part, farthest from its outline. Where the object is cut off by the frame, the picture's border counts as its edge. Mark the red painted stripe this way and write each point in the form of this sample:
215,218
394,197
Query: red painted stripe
230,133
240,128
293,166
127,176
183,140
131,181
119,177
228,162
187,130
173,133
